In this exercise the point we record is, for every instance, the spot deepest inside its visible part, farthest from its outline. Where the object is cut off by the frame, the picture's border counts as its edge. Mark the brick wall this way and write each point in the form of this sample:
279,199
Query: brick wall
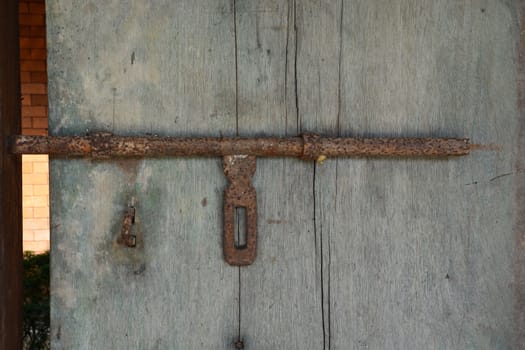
33,77
35,202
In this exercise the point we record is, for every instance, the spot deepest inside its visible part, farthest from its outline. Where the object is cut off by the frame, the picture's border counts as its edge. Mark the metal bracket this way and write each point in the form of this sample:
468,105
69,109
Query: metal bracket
240,193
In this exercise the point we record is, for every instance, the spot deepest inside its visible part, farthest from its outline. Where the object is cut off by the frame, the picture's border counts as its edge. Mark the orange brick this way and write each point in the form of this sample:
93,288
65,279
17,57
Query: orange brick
36,246
38,31
41,190
42,212
39,77
28,235
38,100
32,43
26,122
25,54
44,245
26,99
23,7
31,20
37,8
40,123
35,158
24,31
33,66
27,190
40,113
40,168
38,54
28,213
36,179
25,77
35,202
37,111
34,89
36,224
41,235
34,132
27,168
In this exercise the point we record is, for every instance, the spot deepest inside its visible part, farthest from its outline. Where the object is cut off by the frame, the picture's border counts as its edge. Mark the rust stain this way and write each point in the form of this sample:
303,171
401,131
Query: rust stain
126,237
129,168
239,344
486,147
275,221
204,202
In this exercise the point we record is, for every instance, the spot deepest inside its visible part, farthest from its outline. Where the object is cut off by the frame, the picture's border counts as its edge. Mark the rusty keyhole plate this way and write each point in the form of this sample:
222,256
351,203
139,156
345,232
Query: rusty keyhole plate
240,193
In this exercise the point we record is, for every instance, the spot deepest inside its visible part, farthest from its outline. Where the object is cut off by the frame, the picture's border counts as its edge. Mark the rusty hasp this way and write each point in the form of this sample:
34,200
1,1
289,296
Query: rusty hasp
239,163
240,193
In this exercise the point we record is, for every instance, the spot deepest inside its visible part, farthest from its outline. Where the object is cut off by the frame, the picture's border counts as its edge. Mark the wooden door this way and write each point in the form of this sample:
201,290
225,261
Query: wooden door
353,253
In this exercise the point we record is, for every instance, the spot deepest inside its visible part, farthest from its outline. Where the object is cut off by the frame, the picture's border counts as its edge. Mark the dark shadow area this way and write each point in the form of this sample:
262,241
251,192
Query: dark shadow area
36,301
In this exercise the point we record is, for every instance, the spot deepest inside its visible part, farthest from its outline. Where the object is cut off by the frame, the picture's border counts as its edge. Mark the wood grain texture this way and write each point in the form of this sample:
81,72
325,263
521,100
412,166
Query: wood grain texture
352,254
113,66
519,216
11,274
319,99
280,296
420,254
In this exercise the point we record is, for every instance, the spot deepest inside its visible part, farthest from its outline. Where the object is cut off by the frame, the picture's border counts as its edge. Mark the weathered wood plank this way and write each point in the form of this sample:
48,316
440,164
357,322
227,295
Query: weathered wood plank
357,253
519,214
421,254
132,67
11,274
319,97
519,221
280,296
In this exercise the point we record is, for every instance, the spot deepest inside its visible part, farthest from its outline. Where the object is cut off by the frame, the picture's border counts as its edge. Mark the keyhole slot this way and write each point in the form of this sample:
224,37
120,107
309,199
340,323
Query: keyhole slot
240,219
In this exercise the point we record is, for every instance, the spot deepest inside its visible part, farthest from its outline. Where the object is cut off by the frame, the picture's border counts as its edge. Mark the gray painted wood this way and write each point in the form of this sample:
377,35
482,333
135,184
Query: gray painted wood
318,95
280,294
419,254
352,254
134,67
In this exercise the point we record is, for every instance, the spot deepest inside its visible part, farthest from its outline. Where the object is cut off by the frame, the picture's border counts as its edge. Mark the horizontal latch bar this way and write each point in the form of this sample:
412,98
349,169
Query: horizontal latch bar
306,146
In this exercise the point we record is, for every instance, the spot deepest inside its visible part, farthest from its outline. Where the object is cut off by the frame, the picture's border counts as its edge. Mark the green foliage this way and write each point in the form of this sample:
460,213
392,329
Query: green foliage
36,301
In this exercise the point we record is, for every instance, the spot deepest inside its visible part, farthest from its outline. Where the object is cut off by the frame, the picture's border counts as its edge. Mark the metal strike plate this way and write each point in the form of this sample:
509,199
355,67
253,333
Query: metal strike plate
240,193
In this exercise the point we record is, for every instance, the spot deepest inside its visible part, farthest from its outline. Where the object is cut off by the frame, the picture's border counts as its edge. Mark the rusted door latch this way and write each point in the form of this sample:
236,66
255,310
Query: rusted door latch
239,162
240,193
